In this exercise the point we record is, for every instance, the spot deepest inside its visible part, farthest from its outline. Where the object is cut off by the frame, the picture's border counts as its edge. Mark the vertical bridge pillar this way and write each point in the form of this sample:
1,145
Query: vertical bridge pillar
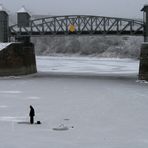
145,21
4,25
143,67
23,18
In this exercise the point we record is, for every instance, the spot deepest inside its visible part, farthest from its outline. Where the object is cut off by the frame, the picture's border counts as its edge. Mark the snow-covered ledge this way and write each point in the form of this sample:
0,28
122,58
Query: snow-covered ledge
4,45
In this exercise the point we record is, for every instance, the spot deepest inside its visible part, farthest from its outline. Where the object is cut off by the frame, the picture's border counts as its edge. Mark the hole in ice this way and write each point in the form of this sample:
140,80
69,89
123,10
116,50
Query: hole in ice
23,122
27,122
61,127
66,119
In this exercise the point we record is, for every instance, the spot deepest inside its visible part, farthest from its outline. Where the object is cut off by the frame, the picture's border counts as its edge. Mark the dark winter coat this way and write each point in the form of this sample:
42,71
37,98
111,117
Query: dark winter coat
32,112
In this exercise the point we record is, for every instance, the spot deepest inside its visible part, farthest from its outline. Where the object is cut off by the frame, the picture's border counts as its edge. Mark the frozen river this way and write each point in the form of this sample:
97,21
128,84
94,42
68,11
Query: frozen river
97,103
87,66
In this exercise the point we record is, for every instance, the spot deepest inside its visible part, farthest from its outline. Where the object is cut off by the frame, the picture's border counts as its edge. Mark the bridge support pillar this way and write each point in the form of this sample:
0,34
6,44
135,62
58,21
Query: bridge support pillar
4,25
145,21
23,39
17,59
143,67
23,19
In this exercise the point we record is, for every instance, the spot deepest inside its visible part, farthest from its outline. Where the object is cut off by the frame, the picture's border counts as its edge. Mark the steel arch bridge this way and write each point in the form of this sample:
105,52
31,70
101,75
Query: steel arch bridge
79,25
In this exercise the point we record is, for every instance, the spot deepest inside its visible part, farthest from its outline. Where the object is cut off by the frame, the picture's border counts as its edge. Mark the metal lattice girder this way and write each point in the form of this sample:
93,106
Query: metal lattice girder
59,25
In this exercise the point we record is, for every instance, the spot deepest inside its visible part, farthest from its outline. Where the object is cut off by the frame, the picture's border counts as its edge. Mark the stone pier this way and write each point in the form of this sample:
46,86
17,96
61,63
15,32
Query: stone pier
143,67
17,59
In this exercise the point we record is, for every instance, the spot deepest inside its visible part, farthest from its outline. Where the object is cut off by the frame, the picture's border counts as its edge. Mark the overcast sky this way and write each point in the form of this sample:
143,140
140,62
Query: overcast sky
116,8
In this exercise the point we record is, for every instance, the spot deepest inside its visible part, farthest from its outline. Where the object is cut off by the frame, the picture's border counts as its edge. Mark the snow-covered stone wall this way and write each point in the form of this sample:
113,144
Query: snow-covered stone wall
17,59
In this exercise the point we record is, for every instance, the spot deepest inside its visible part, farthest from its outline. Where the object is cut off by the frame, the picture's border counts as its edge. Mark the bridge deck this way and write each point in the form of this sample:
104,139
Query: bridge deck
139,33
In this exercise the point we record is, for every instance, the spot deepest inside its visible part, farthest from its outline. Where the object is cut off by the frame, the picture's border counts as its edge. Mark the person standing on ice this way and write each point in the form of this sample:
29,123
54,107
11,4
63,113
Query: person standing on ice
31,114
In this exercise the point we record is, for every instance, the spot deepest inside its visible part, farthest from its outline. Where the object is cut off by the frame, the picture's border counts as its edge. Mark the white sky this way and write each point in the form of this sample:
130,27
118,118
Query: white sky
116,8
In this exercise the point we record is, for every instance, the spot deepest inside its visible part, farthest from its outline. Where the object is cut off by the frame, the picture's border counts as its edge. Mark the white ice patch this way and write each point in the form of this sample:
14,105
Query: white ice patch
3,106
10,92
33,98
11,118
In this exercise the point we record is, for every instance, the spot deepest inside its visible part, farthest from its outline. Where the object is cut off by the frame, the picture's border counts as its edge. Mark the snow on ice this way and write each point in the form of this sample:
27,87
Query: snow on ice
90,102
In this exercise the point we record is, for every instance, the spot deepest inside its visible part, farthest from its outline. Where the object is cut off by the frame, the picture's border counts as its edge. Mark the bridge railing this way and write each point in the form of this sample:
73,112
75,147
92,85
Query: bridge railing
60,25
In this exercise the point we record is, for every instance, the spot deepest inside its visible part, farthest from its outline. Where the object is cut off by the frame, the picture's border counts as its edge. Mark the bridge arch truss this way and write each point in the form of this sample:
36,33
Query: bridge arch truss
59,25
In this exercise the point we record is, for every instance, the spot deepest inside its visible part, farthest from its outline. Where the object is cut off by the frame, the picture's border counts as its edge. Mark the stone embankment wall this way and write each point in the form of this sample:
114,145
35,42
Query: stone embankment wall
143,67
17,59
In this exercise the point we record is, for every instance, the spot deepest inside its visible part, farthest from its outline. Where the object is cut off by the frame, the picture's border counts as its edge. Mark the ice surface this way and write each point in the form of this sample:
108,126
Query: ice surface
87,66
107,107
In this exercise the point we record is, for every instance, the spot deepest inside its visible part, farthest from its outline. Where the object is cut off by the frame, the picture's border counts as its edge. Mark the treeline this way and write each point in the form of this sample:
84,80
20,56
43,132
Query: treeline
102,46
